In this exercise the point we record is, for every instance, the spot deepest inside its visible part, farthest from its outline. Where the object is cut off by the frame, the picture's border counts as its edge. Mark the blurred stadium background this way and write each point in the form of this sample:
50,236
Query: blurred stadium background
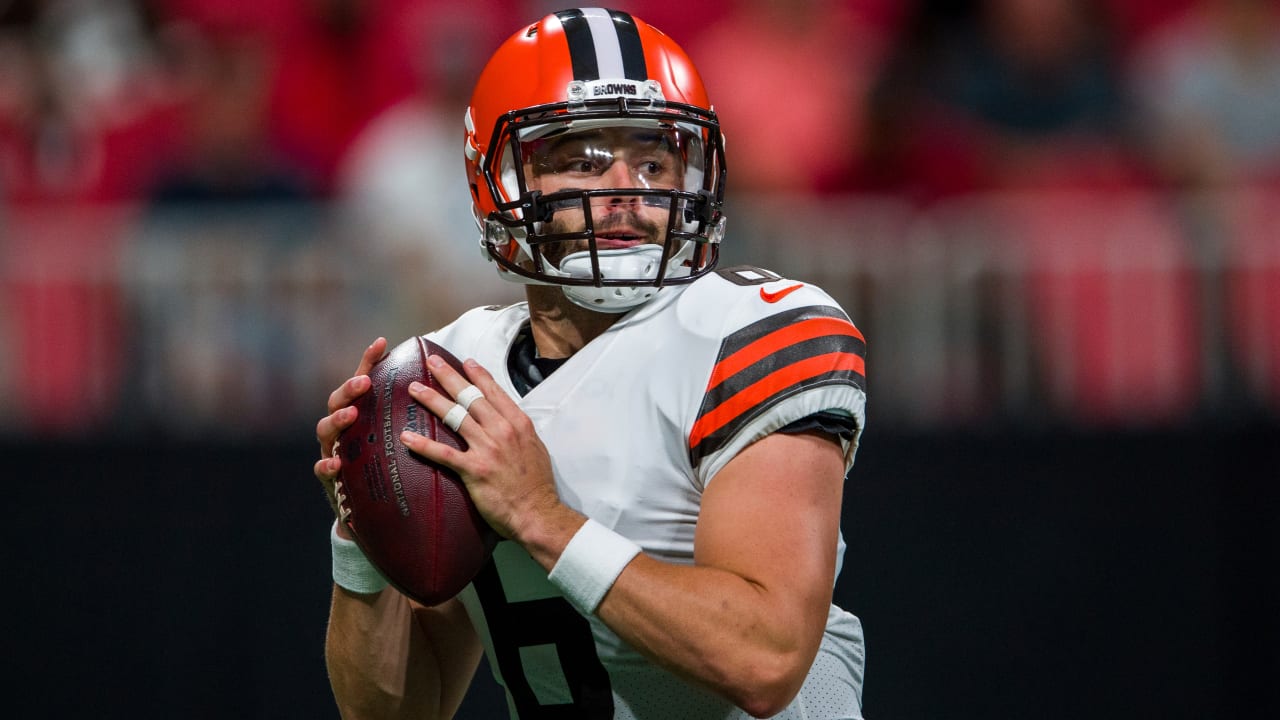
1056,221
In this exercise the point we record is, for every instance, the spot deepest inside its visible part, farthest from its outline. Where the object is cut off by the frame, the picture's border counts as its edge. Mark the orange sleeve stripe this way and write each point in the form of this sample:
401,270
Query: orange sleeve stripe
775,341
773,383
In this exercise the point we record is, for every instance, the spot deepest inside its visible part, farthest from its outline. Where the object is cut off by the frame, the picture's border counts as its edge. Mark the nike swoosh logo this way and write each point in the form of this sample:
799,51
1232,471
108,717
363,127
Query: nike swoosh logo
773,297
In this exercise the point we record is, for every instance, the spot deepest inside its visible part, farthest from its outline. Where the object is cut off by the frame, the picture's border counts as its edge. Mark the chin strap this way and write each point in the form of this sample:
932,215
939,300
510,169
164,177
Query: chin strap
639,262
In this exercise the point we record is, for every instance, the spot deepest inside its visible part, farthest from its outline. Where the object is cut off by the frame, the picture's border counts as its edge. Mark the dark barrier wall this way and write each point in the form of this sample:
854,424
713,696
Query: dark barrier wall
998,576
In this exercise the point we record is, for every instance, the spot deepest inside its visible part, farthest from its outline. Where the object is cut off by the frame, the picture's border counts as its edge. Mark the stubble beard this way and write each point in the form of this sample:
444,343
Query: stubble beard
553,253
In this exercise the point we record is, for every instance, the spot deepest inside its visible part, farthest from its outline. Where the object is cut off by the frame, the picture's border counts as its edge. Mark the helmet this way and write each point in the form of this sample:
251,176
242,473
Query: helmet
587,88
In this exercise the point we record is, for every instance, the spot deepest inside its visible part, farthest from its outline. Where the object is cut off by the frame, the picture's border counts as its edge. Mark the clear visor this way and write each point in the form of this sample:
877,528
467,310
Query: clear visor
597,155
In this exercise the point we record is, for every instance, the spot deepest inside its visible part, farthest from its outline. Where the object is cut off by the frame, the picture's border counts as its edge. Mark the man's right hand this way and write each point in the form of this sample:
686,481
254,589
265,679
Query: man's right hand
341,415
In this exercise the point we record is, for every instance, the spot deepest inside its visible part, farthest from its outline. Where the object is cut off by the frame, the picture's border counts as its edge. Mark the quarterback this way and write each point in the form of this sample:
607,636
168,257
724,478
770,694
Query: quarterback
661,442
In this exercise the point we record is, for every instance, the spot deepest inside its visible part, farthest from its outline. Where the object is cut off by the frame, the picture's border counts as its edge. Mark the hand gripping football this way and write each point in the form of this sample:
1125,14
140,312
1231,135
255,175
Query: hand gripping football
412,517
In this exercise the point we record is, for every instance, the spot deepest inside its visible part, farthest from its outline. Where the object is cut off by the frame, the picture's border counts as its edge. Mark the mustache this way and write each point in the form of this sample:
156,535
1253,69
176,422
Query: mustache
627,220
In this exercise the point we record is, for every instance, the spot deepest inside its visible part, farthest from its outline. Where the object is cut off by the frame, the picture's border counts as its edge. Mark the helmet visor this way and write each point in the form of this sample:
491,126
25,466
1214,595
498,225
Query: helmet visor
641,156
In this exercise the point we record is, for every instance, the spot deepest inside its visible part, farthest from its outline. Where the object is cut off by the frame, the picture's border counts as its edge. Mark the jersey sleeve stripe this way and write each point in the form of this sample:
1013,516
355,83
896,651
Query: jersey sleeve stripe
781,321
771,360
797,376
777,340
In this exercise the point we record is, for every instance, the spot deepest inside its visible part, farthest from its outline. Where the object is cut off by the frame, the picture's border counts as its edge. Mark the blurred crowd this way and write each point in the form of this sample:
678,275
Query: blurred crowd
129,126
198,100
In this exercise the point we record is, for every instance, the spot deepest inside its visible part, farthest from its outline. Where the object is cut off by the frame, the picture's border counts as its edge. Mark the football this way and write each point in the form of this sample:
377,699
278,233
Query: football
412,518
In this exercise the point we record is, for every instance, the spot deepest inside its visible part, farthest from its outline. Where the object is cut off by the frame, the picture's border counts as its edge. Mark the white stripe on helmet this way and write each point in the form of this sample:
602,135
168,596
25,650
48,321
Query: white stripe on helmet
605,37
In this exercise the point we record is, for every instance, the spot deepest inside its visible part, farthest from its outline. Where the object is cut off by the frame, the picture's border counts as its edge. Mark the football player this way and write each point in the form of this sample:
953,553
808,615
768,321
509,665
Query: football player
662,444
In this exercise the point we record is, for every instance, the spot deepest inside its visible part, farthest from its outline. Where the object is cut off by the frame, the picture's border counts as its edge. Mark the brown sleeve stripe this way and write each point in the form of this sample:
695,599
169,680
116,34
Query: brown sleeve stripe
779,340
771,360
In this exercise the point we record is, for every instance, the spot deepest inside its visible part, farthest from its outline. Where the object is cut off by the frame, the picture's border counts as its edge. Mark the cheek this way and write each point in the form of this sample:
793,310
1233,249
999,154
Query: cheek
655,216
566,220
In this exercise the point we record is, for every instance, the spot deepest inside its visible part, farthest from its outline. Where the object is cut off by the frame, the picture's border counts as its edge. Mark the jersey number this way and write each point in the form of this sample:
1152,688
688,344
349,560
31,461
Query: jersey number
530,630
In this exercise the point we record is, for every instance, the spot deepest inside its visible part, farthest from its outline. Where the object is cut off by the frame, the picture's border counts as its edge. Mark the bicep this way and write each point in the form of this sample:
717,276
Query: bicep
772,516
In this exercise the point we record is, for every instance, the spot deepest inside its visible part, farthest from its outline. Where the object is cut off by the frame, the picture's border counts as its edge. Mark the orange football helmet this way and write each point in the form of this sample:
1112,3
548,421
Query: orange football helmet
577,75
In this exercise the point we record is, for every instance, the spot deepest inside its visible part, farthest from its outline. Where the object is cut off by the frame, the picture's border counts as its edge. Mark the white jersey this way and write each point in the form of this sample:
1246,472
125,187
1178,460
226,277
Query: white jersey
638,423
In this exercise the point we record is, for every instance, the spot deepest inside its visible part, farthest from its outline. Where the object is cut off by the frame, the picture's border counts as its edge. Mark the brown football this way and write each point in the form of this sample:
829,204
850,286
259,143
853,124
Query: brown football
412,517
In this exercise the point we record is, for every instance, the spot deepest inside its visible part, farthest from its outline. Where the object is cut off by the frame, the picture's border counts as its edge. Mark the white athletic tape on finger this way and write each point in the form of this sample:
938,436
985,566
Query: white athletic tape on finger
453,419
590,563
468,395
351,569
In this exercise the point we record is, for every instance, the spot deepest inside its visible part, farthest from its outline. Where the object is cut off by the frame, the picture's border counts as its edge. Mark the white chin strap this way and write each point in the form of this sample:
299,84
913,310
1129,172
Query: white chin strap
640,261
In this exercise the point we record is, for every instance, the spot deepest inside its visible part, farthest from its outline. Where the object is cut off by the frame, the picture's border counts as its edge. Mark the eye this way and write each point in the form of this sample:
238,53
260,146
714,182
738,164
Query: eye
583,163
569,165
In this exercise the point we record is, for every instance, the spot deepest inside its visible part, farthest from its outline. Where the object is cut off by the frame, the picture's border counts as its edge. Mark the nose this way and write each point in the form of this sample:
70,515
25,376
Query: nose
619,175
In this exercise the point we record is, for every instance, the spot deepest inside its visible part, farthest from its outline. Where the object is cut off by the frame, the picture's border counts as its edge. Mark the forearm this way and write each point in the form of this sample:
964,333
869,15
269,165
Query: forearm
383,663
744,640
747,643
367,652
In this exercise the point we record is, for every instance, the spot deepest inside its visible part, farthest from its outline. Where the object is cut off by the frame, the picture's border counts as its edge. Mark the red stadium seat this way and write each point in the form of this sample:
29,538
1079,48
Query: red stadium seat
1252,280
1112,306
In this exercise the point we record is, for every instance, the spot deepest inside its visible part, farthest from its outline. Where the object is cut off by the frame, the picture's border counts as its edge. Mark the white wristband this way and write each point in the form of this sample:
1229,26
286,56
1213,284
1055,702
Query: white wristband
351,569
590,563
